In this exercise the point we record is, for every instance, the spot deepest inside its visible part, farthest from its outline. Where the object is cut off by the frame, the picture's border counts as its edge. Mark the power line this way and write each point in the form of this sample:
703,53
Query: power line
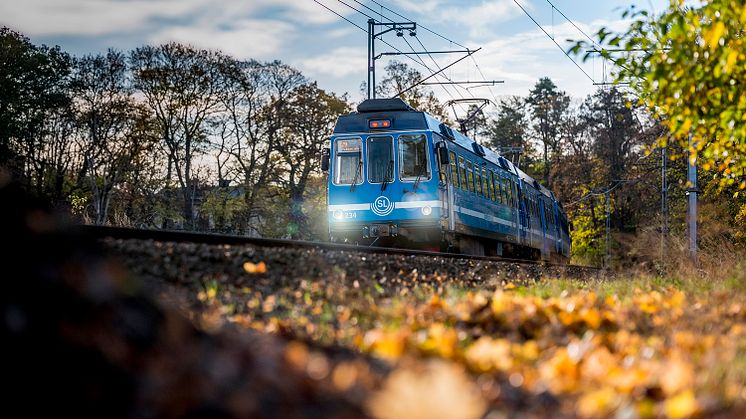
443,69
423,27
444,38
418,59
555,42
448,92
572,23
360,27
433,73
348,20
431,57
357,10
484,78
430,70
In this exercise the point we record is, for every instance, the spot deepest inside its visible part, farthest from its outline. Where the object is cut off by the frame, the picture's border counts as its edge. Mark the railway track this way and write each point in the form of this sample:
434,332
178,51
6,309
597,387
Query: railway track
125,233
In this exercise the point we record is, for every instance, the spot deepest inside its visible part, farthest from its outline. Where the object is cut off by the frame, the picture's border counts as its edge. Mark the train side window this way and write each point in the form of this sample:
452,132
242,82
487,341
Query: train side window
454,168
478,179
499,188
485,184
462,173
470,176
492,185
512,186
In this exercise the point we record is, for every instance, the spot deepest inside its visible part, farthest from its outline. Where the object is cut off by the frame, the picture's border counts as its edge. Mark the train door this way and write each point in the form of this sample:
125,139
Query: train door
544,221
556,229
446,160
523,214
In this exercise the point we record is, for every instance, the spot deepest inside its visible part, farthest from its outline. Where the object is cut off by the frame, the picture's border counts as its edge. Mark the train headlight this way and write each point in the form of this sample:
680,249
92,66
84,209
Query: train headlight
338,214
427,210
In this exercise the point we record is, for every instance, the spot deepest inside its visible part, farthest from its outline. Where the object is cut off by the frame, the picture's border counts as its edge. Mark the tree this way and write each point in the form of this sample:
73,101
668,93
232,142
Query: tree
181,86
34,111
111,132
250,124
400,76
686,66
548,106
311,114
477,125
508,130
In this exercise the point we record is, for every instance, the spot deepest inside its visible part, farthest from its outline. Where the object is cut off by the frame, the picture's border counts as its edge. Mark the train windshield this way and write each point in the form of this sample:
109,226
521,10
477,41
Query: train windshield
348,164
380,159
413,157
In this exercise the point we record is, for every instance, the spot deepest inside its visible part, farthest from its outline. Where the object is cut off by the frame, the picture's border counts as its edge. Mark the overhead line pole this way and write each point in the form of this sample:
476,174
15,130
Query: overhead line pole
399,27
692,192
381,17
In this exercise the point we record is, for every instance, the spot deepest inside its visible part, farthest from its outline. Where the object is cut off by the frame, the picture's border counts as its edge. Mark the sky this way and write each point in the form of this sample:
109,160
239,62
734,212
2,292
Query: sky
332,51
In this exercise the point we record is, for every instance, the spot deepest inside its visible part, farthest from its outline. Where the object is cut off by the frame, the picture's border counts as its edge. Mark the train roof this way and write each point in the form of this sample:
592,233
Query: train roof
404,117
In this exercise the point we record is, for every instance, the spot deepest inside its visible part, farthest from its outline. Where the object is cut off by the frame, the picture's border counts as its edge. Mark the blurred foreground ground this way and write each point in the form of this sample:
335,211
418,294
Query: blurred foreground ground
144,329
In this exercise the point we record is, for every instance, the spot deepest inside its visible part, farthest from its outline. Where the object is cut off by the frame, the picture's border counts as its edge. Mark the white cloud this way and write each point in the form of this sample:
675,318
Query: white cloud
418,6
521,59
340,62
481,19
88,17
246,38
102,17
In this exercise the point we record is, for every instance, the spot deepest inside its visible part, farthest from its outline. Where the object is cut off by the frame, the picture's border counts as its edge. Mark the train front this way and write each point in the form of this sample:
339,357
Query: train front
383,178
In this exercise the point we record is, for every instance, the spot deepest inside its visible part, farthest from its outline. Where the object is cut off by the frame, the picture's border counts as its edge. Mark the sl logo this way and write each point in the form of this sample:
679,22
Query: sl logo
382,206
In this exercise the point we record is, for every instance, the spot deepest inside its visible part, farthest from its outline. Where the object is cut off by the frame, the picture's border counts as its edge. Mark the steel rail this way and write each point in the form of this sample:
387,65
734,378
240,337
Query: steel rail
126,233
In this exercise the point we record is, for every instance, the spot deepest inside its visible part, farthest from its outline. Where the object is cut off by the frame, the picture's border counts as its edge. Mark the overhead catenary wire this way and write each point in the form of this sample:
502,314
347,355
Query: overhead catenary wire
553,40
433,72
382,16
599,48
444,38
437,74
360,27
338,14
416,59
421,26
572,23
382,40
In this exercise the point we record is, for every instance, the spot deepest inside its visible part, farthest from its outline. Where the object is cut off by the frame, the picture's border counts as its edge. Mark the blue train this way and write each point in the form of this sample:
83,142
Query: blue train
401,178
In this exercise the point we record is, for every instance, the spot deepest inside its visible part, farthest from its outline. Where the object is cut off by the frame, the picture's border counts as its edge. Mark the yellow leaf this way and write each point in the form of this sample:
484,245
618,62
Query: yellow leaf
682,405
598,403
677,374
255,268
686,125
732,57
385,345
714,34
591,317
489,355
435,390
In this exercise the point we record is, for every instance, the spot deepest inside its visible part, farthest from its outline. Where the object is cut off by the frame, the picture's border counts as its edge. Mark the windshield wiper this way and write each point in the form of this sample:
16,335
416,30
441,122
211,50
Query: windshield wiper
357,172
419,175
386,179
